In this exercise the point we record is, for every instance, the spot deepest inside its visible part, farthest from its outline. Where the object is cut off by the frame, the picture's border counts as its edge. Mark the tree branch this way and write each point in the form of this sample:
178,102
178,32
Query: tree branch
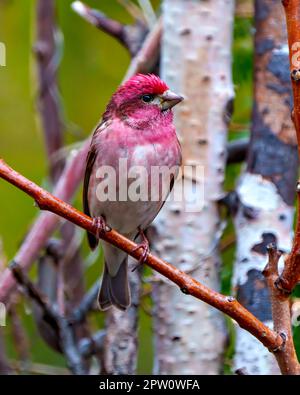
188,285
148,55
101,21
130,36
46,54
291,272
281,313
88,301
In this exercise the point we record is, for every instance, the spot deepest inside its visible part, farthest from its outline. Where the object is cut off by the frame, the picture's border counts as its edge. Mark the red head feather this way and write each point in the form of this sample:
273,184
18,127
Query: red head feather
138,85
144,83
133,89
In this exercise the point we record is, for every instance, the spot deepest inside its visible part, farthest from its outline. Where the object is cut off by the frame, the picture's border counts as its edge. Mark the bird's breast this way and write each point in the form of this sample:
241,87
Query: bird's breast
134,175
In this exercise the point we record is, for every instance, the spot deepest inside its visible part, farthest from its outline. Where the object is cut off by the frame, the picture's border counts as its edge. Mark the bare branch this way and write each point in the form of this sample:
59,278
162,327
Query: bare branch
148,55
281,313
48,100
86,304
291,273
130,36
188,285
101,21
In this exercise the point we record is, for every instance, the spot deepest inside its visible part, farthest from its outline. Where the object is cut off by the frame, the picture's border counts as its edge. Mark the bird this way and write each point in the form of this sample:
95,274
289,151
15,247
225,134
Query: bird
136,129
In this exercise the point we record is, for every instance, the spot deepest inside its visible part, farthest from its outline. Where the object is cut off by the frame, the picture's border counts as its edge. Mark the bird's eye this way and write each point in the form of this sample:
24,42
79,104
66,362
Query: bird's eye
147,98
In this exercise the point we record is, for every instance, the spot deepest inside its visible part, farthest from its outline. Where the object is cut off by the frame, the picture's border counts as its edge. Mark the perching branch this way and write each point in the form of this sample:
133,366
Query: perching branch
291,273
188,285
281,313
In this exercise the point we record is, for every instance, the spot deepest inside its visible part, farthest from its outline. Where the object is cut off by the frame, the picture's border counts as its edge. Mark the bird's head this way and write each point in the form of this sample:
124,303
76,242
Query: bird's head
143,98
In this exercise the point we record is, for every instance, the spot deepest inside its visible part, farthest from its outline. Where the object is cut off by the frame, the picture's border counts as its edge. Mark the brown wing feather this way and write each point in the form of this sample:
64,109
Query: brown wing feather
91,157
93,242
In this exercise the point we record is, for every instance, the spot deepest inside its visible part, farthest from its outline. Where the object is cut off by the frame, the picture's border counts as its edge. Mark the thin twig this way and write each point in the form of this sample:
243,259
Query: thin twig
101,21
186,283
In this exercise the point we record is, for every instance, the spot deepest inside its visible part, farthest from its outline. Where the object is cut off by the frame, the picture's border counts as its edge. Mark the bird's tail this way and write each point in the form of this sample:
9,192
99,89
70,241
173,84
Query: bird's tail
115,288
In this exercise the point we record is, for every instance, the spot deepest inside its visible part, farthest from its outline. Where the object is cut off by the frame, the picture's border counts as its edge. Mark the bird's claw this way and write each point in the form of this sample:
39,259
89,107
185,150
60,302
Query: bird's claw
144,245
101,226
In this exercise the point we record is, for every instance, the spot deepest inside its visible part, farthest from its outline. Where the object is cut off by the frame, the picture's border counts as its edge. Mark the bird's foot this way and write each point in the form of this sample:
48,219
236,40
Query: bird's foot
101,226
144,245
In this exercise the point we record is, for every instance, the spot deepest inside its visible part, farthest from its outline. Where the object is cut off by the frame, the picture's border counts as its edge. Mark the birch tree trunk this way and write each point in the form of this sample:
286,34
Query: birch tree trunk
267,186
196,62
121,340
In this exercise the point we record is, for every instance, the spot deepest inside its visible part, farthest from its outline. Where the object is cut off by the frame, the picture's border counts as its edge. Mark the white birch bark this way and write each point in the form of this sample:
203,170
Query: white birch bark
267,187
196,62
272,223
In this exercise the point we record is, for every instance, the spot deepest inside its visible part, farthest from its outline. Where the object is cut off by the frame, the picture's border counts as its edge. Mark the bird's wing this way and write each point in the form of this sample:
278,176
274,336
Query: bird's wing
91,157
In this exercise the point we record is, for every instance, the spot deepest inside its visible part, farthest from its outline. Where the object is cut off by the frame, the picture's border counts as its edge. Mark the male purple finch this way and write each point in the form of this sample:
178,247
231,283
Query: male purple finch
137,127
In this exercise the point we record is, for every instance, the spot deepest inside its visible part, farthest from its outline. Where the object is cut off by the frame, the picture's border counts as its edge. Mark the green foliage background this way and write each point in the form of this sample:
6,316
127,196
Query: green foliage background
92,66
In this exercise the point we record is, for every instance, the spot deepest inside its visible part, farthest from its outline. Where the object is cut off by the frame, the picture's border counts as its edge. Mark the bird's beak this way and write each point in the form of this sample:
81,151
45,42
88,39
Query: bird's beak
169,99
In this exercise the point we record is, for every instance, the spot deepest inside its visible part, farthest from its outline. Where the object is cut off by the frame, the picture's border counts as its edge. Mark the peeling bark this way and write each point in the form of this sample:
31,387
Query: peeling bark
268,184
196,62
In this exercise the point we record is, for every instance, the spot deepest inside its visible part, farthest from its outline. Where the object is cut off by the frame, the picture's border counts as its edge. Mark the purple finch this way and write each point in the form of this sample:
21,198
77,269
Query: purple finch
137,127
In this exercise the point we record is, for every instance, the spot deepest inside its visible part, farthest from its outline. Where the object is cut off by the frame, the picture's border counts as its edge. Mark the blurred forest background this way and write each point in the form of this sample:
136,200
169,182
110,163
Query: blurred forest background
92,65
